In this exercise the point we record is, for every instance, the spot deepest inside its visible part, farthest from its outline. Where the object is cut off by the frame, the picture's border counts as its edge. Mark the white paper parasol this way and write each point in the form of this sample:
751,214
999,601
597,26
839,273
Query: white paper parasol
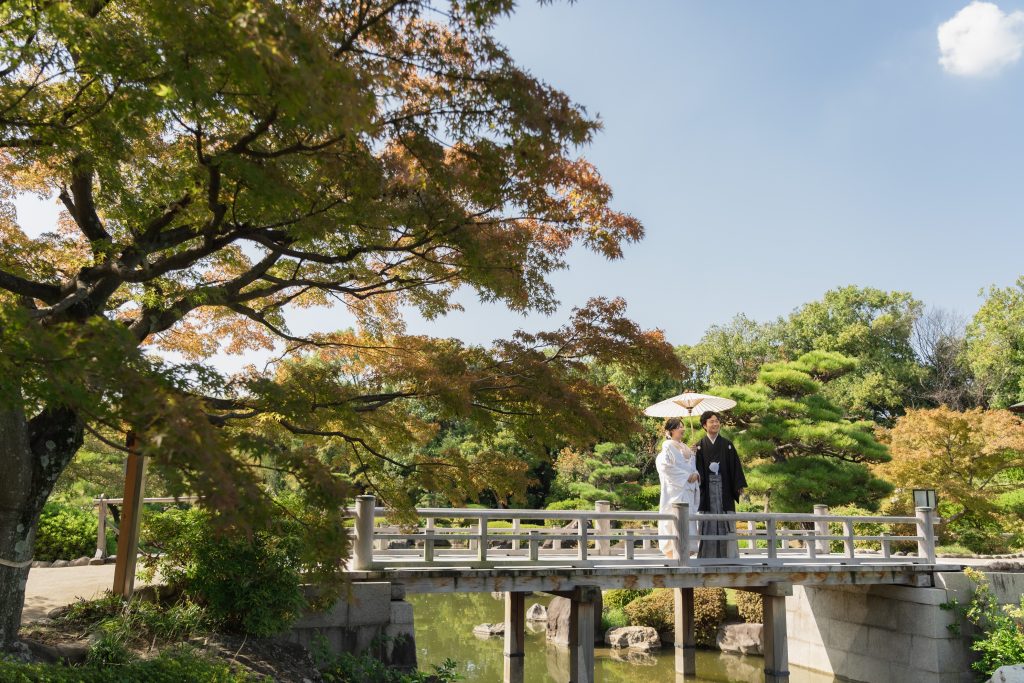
688,404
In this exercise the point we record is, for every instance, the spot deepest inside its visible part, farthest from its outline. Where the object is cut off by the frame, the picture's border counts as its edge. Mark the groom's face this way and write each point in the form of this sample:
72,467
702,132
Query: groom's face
712,426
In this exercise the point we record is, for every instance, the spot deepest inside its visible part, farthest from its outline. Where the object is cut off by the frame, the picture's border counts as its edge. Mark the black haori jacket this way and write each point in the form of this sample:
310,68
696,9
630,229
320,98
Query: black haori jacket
733,481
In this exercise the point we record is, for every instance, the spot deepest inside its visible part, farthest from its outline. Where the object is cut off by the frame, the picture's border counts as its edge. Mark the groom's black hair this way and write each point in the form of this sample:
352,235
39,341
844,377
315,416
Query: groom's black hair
704,417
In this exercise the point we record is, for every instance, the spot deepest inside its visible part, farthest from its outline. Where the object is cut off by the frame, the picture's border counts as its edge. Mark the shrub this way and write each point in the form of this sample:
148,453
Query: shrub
658,611
708,614
249,583
64,533
749,606
614,617
172,666
620,597
1001,639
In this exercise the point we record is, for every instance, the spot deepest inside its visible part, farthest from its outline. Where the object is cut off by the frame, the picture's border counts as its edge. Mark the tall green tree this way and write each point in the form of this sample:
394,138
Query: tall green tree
796,444
222,161
995,345
733,353
874,327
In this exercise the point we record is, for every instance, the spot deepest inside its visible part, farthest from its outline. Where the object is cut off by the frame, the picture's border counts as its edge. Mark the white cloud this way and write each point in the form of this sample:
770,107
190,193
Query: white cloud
980,40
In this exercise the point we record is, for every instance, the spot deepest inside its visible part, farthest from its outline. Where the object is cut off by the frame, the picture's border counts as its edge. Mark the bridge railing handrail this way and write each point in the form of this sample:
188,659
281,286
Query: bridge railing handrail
594,527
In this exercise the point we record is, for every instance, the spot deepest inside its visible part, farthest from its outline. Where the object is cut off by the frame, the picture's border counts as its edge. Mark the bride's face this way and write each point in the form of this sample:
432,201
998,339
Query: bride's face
676,433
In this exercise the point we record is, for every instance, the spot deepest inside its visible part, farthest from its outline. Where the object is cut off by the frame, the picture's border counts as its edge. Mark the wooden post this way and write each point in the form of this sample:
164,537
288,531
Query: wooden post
685,645
886,546
851,550
517,529
534,544
515,636
821,530
481,551
926,531
582,553
581,635
101,531
428,545
603,527
776,649
128,531
630,544
681,511
362,559
812,545
773,537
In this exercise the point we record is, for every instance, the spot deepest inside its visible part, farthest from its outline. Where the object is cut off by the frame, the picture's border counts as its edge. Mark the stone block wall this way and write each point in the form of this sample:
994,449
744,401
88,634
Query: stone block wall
374,618
877,634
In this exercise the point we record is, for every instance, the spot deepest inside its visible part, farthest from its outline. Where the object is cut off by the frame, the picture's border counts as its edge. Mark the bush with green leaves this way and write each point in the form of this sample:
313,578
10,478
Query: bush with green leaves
620,597
171,666
750,606
1000,640
657,610
250,582
65,532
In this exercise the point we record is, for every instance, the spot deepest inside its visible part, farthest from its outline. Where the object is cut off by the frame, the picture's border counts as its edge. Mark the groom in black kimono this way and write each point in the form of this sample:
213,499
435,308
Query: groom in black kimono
716,455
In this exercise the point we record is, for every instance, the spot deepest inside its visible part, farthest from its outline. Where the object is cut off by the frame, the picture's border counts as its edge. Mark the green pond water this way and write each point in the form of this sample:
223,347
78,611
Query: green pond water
444,629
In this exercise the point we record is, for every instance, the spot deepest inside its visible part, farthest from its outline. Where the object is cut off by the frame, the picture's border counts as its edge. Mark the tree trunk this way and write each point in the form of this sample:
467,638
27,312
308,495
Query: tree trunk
33,453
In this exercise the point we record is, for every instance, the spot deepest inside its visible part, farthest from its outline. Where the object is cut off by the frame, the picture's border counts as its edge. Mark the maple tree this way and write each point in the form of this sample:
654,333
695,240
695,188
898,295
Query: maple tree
221,162
968,457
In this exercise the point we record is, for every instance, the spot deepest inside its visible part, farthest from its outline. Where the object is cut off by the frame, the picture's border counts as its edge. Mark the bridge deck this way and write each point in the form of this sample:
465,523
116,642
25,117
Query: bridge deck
553,578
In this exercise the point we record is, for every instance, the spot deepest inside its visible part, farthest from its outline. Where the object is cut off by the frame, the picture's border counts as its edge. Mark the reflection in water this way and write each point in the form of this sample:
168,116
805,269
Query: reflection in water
444,628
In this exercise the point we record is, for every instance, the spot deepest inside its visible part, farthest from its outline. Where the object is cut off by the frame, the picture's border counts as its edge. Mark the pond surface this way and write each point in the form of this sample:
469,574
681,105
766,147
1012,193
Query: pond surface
444,629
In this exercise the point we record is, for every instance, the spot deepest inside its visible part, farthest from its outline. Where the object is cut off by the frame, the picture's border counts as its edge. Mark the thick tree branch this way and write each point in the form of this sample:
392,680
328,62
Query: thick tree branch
29,288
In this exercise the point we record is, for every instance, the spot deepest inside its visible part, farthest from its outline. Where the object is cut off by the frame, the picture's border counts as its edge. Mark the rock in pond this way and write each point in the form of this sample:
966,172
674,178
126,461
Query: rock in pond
643,638
537,612
745,639
489,630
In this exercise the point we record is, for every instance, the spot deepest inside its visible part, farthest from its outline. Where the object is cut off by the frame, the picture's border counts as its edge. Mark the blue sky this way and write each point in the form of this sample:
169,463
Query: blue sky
774,151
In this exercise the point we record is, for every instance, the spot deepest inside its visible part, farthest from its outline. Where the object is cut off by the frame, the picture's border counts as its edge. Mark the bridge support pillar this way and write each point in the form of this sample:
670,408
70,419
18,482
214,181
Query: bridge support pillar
776,648
685,645
515,636
581,634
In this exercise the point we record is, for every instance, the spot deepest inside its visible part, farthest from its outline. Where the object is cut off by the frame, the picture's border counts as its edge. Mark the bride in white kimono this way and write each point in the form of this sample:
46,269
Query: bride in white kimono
680,483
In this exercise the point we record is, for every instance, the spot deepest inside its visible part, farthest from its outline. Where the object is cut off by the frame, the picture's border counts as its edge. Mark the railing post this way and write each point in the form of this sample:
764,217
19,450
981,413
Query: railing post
630,544
481,552
886,545
772,537
812,545
428,545
517,527
603,528
926,531
682,523
848,541
534,544
584,528
821,530
365,510
101,529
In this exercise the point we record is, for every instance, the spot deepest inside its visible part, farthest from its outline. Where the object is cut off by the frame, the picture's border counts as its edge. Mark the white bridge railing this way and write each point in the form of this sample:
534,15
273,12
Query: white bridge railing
451,537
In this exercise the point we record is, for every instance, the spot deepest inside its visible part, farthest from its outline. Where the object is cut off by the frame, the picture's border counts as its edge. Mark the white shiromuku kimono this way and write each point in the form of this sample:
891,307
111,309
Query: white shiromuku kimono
675,463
